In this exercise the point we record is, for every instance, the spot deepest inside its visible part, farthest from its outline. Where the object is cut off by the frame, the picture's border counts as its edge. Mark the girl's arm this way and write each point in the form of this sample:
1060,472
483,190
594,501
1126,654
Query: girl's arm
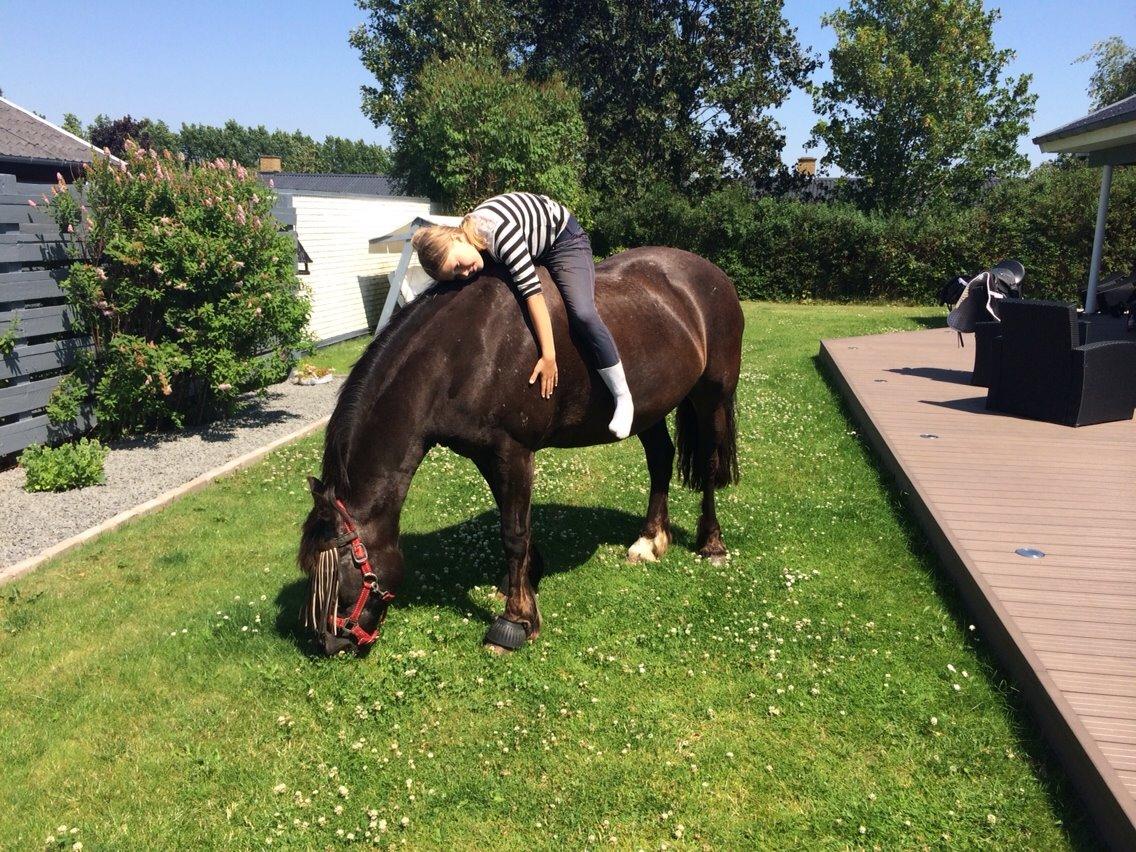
546,367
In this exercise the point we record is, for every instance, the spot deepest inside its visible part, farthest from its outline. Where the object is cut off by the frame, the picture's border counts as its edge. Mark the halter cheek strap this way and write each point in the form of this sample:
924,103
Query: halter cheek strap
370,583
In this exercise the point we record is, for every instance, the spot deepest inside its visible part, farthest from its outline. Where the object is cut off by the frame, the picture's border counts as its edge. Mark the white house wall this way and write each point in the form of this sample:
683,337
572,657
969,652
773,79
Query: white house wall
348,284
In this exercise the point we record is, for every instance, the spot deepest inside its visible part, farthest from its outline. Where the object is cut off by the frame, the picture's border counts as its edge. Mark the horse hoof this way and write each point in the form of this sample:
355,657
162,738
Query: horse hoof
505,634
649,549
715,556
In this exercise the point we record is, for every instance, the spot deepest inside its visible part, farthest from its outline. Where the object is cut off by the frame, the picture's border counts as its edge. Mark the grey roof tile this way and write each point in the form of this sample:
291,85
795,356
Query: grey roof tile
26,136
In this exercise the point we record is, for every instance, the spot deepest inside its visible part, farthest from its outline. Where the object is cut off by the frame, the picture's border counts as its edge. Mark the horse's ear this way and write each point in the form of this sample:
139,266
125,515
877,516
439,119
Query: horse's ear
316,487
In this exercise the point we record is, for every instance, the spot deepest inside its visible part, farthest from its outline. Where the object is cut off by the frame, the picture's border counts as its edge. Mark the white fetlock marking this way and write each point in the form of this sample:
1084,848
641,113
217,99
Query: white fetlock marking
662,542
642,551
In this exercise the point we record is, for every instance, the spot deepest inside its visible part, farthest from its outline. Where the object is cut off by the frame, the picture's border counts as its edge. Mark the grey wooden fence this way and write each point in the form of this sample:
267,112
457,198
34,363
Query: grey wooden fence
33,314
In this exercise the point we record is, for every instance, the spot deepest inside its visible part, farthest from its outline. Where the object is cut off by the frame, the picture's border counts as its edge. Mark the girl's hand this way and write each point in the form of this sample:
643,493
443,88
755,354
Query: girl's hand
546,369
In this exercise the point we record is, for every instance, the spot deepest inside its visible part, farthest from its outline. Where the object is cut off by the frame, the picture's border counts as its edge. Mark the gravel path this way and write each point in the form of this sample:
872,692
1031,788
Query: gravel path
142,468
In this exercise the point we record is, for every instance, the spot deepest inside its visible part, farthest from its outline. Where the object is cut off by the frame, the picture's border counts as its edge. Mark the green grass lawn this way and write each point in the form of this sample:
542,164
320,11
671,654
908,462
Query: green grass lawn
823,690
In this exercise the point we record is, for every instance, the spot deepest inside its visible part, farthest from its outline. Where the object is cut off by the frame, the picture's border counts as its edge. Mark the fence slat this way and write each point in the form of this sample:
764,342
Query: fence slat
41,357
31,286
35,430
34,322
33,253
27,396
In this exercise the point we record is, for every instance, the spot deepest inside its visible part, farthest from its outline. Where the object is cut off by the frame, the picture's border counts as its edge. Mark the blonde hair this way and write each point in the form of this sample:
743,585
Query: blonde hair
433,243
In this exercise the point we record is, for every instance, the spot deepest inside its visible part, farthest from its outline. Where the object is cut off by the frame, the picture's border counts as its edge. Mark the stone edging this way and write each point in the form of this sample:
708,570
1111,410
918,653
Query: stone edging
24,566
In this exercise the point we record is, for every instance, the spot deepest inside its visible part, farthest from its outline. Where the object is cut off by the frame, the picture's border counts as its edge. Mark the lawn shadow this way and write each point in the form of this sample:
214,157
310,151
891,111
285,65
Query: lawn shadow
936,321
566,536
1062,794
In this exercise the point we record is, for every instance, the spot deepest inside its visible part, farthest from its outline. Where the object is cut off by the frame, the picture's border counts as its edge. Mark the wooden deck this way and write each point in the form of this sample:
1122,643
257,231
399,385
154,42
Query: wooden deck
1064,626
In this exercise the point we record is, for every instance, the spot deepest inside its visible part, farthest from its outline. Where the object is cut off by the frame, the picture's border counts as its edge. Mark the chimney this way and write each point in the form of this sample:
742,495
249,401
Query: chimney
806,165
269,164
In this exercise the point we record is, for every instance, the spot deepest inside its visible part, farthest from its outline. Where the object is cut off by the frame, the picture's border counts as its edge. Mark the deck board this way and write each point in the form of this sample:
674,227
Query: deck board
1063,626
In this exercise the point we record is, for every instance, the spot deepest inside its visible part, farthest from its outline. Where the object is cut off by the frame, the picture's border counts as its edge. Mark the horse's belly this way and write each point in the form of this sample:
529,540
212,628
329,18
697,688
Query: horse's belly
656,391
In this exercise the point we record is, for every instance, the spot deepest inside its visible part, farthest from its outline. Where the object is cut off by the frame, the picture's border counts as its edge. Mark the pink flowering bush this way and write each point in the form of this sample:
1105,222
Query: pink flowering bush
184,283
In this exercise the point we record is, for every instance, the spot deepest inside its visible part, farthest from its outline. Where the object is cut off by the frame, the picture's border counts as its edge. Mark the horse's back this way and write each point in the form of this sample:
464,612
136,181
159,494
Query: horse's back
666,287
676,321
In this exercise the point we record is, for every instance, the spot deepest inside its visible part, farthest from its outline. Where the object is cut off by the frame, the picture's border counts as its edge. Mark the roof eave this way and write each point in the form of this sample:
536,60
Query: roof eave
1085,141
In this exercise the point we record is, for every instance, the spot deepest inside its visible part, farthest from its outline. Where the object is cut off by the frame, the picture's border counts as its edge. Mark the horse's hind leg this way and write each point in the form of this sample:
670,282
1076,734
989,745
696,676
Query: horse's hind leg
655,535
715,460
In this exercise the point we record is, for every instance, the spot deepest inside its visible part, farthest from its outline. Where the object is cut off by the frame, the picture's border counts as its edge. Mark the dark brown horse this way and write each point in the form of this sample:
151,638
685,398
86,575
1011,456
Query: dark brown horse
452,369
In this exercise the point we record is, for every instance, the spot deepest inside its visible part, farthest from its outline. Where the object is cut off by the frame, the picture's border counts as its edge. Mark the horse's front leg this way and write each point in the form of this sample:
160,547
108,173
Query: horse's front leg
509,472
655,534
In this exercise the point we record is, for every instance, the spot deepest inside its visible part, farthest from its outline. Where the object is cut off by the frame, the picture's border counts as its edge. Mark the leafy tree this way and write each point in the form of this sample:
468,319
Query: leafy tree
917,107
72,124
403,35
298,151
672,90
105,132
354,157
469,130
1115,75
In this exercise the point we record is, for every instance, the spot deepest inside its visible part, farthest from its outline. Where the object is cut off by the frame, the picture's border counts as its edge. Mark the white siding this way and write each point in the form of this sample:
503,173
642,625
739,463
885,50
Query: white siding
348,284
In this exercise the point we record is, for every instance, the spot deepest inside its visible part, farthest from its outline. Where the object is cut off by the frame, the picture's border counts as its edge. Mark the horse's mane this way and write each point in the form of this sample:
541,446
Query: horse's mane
365,374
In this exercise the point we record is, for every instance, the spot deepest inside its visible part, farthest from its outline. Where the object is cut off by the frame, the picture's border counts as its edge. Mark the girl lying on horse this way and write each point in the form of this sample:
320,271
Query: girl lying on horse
520,229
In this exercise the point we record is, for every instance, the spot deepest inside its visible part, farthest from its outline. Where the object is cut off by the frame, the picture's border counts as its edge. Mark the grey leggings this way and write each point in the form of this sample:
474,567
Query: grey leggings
572,266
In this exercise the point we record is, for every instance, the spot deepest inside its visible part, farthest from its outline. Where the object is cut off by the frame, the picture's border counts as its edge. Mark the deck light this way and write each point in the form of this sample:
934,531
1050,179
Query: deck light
1030,552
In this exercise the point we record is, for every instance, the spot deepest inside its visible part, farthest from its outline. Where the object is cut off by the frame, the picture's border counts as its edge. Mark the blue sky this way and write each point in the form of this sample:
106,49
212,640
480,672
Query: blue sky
287,63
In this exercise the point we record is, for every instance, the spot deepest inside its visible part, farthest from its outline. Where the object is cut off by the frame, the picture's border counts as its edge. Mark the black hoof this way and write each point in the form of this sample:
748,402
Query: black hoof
508,634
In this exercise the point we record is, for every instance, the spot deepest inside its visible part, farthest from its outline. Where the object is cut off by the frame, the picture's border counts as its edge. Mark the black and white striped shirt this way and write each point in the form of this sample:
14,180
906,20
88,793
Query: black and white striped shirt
520,227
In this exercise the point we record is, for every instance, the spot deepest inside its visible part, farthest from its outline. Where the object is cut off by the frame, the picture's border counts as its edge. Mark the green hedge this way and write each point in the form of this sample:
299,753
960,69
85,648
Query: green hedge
783,249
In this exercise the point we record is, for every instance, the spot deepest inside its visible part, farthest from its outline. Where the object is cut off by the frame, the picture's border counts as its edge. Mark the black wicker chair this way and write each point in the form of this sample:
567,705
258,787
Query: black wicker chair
1043,372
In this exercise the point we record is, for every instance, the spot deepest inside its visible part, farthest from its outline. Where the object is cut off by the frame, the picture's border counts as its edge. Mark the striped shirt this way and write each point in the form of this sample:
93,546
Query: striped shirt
519,227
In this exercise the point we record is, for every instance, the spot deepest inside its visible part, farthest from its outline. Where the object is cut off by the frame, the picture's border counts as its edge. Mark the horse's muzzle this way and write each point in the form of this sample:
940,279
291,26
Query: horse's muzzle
333,644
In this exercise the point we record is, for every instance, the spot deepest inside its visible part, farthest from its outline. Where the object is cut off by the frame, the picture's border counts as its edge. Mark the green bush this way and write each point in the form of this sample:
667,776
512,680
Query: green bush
784,249
469,130
65,467
184,282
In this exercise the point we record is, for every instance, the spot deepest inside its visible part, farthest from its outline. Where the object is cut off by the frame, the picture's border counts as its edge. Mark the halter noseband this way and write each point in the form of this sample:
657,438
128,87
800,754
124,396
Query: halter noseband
370,582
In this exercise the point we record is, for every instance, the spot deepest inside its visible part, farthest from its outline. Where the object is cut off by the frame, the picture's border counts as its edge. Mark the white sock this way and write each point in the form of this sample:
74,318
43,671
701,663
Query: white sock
616,382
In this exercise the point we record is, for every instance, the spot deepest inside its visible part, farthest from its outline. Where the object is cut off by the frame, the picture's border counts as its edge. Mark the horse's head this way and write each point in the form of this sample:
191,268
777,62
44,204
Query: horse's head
350,586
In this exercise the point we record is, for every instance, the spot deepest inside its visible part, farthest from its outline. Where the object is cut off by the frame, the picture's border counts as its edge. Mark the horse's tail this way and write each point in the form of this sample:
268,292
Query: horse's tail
724,456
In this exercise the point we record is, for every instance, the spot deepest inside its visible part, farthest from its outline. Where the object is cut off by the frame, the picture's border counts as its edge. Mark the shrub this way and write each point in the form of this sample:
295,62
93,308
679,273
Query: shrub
65,467
786,249
184,282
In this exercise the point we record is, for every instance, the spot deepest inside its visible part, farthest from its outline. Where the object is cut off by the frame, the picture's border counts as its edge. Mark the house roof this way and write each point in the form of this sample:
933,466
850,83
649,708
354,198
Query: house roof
378,185
27,137
1109,134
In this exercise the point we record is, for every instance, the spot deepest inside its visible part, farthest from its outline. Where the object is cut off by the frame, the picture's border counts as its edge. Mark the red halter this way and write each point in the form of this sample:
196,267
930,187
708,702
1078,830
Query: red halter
370,584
